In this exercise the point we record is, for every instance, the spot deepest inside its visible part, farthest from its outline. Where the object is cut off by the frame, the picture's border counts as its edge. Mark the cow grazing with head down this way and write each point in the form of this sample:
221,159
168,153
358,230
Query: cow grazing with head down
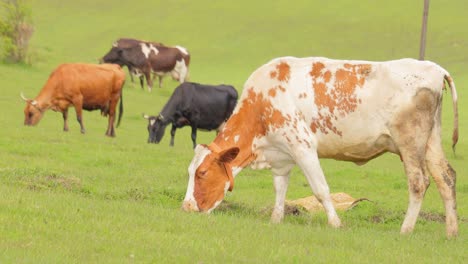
147,58
84,86
128,43
297,110
199,106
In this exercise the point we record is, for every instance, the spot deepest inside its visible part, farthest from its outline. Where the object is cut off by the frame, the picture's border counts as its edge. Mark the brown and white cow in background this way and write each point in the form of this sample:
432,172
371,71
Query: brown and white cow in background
297,110
83,86
126,43
147,58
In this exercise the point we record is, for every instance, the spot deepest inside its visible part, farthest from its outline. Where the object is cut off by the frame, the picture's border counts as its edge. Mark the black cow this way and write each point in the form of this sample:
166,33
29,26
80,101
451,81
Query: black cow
204,107
145,58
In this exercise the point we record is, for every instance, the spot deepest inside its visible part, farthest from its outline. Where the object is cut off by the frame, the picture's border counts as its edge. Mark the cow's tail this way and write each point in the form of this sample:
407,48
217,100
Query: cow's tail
453,91
120,108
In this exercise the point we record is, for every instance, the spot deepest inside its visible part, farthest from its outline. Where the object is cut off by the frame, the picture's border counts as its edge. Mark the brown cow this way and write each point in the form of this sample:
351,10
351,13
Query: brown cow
85,86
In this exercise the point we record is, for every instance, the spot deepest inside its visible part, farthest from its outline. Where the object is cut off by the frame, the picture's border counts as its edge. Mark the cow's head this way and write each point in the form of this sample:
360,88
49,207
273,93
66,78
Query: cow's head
156,128
32,112
113,56
210,177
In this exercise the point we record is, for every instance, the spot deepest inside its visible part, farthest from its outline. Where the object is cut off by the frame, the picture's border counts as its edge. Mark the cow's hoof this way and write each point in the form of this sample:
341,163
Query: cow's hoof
335,223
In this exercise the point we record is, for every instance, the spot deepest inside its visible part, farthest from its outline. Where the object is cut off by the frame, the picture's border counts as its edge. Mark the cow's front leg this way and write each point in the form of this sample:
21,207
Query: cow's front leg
194,136
130,72
65,119
307,160
149,80
142,79
173,130
280,181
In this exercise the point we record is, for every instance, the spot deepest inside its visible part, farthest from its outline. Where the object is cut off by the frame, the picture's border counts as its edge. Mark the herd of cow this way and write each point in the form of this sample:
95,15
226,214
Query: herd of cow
99,86
292,111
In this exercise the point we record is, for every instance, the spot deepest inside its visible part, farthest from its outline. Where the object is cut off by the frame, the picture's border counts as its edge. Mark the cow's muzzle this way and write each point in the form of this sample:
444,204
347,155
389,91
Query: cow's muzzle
190,206
153,141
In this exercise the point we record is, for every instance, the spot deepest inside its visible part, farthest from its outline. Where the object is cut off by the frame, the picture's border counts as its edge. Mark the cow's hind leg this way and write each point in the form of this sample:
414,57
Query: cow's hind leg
410,132
418,182
78,104
111,112
444,176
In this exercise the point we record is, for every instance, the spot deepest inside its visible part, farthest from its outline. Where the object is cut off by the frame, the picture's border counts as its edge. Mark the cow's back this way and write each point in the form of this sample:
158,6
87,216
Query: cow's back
96,83
348,105
212,103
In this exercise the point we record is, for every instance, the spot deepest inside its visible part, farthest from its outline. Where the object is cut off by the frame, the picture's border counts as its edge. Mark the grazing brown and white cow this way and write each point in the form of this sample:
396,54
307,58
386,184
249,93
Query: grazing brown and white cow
147,58
129,43
84,86
297,110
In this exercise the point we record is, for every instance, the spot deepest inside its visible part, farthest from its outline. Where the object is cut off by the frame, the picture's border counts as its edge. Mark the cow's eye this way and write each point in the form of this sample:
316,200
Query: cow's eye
201,173
30,114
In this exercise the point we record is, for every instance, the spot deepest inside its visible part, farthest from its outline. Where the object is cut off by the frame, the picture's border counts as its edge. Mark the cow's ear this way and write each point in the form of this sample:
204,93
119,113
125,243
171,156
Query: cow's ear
228,155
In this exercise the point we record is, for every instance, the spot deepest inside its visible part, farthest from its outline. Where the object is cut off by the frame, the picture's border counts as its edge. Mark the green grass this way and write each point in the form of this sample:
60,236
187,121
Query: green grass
72,198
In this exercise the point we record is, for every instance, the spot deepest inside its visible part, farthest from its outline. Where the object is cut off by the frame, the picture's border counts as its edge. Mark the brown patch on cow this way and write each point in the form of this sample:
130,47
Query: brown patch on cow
255,118
340,97
282,72
449,176
317,69
273,74
272,92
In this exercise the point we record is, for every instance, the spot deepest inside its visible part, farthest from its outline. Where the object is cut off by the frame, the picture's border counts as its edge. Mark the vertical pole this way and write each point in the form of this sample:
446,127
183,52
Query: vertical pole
422,47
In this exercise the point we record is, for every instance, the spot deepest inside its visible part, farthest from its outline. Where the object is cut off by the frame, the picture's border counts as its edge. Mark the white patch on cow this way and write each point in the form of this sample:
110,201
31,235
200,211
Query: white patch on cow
236,170
152,121
137,72
215,205
200,154
115,44
147,50
182,49
180,71
236,138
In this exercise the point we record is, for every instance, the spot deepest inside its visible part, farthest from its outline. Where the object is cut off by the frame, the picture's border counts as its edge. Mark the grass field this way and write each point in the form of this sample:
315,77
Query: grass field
73,198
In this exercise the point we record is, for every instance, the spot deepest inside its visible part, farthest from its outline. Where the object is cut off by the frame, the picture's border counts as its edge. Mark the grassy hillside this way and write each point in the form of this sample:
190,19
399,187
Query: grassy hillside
67,197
